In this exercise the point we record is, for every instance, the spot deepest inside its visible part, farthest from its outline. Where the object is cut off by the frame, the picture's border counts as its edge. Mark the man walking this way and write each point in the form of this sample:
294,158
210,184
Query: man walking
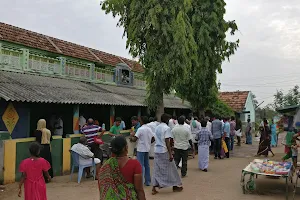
144,137
232,132
227,135
216,128
182,140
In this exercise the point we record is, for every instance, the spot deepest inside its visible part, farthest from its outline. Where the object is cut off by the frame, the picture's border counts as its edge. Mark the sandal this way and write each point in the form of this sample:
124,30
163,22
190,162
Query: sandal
177,189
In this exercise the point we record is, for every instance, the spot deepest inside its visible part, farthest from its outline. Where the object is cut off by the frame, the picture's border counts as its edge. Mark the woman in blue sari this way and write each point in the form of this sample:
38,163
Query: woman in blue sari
273,134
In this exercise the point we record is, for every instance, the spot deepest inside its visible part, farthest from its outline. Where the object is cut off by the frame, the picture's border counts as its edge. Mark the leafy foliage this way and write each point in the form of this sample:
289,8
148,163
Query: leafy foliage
160,34
181,44
289,99
207,19
220,108
266,112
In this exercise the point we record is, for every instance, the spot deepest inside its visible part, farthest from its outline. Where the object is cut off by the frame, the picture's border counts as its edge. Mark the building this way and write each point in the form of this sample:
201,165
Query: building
241,102
42,76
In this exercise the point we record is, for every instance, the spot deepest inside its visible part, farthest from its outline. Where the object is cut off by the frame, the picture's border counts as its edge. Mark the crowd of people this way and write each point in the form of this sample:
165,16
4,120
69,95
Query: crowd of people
171,141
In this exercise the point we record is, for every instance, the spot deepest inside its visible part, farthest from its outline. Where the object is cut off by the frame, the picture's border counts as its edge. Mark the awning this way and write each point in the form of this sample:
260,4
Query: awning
45,89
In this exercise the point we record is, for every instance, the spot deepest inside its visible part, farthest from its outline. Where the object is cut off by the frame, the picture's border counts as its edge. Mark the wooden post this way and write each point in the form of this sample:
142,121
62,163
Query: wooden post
112,116
76,119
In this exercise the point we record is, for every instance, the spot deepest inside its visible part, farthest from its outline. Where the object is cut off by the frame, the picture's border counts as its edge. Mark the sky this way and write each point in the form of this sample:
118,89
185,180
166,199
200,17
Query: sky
269,32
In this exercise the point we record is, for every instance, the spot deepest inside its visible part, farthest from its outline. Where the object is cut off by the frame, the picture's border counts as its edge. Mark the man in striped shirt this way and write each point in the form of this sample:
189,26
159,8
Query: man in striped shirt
91,131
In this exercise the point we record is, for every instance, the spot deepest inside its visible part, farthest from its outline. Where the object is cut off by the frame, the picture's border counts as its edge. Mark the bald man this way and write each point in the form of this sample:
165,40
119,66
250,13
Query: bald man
91,131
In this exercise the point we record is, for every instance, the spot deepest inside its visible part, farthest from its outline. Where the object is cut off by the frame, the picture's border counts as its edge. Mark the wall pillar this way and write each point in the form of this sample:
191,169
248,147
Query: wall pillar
112,116
25,59
174,112
76,119
66,156
139,113
92,71
63,62
1,55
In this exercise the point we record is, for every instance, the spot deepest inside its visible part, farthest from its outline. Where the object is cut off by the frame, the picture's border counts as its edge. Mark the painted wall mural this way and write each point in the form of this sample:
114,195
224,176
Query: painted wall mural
10,118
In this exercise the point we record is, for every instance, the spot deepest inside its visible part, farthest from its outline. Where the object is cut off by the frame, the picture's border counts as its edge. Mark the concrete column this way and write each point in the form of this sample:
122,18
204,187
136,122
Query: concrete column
25,59
92,71
1,55
63,62
76,119
112,117
139,113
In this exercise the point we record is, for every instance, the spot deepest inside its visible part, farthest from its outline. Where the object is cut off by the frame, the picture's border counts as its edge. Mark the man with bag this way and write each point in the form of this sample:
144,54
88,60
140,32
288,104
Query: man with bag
91,134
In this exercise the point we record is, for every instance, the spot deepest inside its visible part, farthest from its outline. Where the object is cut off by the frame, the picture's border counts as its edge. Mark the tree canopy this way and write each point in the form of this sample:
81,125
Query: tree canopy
181,44
291,98
199,87
221,109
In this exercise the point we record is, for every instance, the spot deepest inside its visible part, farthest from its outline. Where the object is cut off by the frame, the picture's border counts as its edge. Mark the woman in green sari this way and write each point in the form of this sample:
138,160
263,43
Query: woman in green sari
120,177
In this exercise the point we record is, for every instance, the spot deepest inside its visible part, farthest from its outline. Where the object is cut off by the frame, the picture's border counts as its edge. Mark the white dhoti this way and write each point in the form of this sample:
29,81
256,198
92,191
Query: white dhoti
203,156
131,147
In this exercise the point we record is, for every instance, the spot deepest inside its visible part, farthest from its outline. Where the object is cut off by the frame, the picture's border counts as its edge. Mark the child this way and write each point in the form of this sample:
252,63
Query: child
33,169
295,152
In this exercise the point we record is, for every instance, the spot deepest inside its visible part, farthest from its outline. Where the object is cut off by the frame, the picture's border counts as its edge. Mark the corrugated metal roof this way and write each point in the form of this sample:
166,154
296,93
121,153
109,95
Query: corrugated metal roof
33,88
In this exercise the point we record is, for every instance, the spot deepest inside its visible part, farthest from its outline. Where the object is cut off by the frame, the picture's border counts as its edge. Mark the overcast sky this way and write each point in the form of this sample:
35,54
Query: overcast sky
267,59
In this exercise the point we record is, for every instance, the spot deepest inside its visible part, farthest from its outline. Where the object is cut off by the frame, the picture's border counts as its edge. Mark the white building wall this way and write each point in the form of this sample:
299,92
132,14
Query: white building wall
250,107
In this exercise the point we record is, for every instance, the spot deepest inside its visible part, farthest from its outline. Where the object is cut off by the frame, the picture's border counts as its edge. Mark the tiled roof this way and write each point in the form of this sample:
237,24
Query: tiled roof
33,88
39,41
236,100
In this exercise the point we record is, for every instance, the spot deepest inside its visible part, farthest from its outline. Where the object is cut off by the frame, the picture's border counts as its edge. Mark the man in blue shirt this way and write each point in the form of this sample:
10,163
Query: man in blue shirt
226,134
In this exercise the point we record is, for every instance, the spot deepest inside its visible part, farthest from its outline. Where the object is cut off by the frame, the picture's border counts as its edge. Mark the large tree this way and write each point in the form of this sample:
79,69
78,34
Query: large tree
159,33
210,28
289,99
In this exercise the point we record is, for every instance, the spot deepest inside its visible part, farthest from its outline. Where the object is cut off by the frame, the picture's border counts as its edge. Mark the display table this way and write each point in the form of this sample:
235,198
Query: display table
266,168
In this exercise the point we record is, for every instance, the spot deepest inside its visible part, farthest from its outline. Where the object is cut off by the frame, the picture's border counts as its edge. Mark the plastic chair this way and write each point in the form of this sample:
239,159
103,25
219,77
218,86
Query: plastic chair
75,157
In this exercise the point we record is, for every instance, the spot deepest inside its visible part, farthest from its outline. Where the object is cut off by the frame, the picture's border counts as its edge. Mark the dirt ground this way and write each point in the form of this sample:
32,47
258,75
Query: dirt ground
221,182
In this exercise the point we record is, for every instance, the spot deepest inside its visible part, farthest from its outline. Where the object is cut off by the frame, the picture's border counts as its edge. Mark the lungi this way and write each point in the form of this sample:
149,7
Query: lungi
165,173
203,156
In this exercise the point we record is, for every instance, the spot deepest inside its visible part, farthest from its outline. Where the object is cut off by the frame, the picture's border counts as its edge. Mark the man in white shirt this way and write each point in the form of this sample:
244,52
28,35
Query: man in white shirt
59,127
85,155
82,122
153,123
182,142
165,172
173,122
144,137
195,128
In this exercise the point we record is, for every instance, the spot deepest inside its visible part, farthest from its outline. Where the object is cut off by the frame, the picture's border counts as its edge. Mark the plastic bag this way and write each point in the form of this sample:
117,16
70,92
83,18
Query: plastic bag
180,163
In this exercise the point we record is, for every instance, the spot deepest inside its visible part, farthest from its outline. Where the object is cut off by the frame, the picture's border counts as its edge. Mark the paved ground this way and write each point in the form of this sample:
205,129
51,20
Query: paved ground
222,182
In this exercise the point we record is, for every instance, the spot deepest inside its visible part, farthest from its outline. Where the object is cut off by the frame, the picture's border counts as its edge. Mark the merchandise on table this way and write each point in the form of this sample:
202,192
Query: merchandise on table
271,167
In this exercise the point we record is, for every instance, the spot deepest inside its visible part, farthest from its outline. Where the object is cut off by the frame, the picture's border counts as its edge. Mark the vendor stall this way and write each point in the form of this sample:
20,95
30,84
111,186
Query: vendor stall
266,168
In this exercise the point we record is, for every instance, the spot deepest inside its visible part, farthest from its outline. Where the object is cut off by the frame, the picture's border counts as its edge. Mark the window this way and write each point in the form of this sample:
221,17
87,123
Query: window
123,75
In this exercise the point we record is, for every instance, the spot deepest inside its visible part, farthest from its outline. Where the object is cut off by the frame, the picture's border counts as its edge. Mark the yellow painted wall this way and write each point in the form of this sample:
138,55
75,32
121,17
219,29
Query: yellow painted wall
9,172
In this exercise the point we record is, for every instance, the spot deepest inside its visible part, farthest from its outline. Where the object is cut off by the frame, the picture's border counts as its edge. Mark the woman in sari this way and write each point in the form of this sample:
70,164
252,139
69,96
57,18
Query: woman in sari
265,140
273,134
120,177
43,136
290,135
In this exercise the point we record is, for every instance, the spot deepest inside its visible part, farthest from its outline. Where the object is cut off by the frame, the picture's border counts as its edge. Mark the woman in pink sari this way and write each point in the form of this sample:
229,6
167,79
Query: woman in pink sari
33,170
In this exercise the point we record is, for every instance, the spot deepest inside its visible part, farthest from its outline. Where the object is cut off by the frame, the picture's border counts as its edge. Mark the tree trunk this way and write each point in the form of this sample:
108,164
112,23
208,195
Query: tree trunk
160,109
201,113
